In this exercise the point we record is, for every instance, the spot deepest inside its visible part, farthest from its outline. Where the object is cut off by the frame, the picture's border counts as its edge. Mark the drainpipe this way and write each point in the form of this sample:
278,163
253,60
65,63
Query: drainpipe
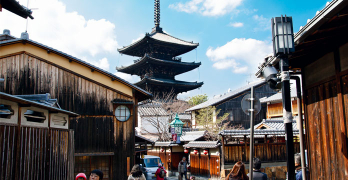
299,109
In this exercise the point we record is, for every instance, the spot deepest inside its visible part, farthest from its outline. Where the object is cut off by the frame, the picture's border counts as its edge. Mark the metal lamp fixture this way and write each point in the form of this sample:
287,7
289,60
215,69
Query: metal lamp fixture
282,35
270,74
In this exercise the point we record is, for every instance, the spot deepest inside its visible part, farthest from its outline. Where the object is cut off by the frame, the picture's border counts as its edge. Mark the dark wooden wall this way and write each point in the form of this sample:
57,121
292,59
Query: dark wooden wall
27,74
236,114
35,153
268,152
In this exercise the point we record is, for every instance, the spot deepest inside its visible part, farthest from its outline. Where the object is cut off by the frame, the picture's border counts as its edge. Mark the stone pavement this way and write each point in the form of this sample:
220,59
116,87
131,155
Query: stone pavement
174,176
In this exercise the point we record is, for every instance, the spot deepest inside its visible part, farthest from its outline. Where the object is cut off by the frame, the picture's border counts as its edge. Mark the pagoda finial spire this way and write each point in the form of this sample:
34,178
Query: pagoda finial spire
157,13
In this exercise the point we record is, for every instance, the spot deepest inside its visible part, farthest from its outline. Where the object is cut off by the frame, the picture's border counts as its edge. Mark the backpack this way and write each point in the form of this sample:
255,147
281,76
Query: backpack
162,174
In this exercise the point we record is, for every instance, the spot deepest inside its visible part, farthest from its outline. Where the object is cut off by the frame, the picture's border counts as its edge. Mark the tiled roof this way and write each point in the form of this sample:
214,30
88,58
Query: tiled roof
192,136
229,95
273,127
29,41
256,132
276,124
49,105
278,97
165,144
168,81
180,67
144,138
180,46
202,144
152,109
161,36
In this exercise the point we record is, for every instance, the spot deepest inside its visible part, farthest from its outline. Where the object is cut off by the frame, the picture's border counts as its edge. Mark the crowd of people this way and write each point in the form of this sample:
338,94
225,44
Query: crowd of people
238,172
94,175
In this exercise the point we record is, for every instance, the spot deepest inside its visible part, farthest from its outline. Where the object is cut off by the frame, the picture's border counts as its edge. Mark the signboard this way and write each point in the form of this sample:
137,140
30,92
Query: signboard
246,103
172,130
174,137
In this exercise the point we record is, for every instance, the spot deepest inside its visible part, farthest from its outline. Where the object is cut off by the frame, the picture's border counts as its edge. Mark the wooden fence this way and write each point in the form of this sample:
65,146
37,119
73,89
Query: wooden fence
36,153
205,165
266,152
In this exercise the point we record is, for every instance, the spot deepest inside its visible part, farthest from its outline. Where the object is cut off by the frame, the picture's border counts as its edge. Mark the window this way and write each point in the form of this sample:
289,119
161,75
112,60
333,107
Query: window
122,113
5,111
8,112
86,164
35,116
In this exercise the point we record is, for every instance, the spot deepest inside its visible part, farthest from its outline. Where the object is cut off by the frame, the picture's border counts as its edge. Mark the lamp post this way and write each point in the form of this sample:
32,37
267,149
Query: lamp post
283,45
177,125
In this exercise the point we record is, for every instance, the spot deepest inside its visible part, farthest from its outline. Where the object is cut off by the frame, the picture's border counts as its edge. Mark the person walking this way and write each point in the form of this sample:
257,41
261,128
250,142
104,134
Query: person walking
81,176
96,175
161,172
182,168
257,174
136,173
237,172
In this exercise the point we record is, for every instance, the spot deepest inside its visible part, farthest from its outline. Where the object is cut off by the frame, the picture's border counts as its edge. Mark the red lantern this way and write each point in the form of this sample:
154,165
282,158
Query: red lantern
162,150
205,152
186,151
195,151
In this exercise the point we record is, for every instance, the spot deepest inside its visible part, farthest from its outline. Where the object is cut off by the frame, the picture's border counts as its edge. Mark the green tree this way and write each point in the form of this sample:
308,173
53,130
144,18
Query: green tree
198,99
205,118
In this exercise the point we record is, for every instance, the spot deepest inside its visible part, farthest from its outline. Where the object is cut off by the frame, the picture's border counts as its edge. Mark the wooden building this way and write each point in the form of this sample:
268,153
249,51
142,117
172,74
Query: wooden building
230,103
204,158
158,63
101,140
35,139
321,57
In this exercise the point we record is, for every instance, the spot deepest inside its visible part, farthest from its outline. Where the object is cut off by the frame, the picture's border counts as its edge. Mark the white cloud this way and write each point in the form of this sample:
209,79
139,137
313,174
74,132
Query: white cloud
140,37
207,7
241,55
102,63
263,23
236,24
128,77
66,31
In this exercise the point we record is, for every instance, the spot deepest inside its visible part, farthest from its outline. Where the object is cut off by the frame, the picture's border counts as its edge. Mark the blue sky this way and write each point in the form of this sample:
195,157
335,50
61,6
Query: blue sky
234,35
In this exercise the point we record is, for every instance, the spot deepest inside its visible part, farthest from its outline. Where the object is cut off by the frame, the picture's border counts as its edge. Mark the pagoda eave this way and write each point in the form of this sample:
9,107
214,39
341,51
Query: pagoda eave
163,43
146,61
180,86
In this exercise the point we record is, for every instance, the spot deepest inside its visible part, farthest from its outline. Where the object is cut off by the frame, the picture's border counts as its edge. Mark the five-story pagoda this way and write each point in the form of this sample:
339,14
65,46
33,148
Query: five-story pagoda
158,64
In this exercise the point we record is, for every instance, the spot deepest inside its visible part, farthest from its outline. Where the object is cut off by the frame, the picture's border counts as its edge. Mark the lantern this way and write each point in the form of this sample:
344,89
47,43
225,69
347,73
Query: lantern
205,152
282,35
186,151
195,151
177,125
162,150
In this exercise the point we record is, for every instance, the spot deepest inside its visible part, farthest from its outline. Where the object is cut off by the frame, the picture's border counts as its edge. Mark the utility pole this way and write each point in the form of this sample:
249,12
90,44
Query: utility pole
287,115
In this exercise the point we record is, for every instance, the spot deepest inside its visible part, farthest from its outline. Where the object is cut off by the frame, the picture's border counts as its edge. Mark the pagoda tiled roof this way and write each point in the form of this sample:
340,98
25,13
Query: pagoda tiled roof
140,47
168,81
181,67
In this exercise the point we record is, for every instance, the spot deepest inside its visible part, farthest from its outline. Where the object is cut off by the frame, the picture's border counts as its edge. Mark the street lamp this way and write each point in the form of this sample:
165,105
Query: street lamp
177,125
283,45
282,36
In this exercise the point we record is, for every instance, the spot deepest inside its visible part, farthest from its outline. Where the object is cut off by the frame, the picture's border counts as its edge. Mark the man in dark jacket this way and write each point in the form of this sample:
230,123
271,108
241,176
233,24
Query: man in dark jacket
182,168
258,175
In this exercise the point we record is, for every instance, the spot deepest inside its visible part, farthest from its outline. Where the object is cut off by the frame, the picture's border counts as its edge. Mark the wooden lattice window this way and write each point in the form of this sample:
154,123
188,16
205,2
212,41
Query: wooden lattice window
86,164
